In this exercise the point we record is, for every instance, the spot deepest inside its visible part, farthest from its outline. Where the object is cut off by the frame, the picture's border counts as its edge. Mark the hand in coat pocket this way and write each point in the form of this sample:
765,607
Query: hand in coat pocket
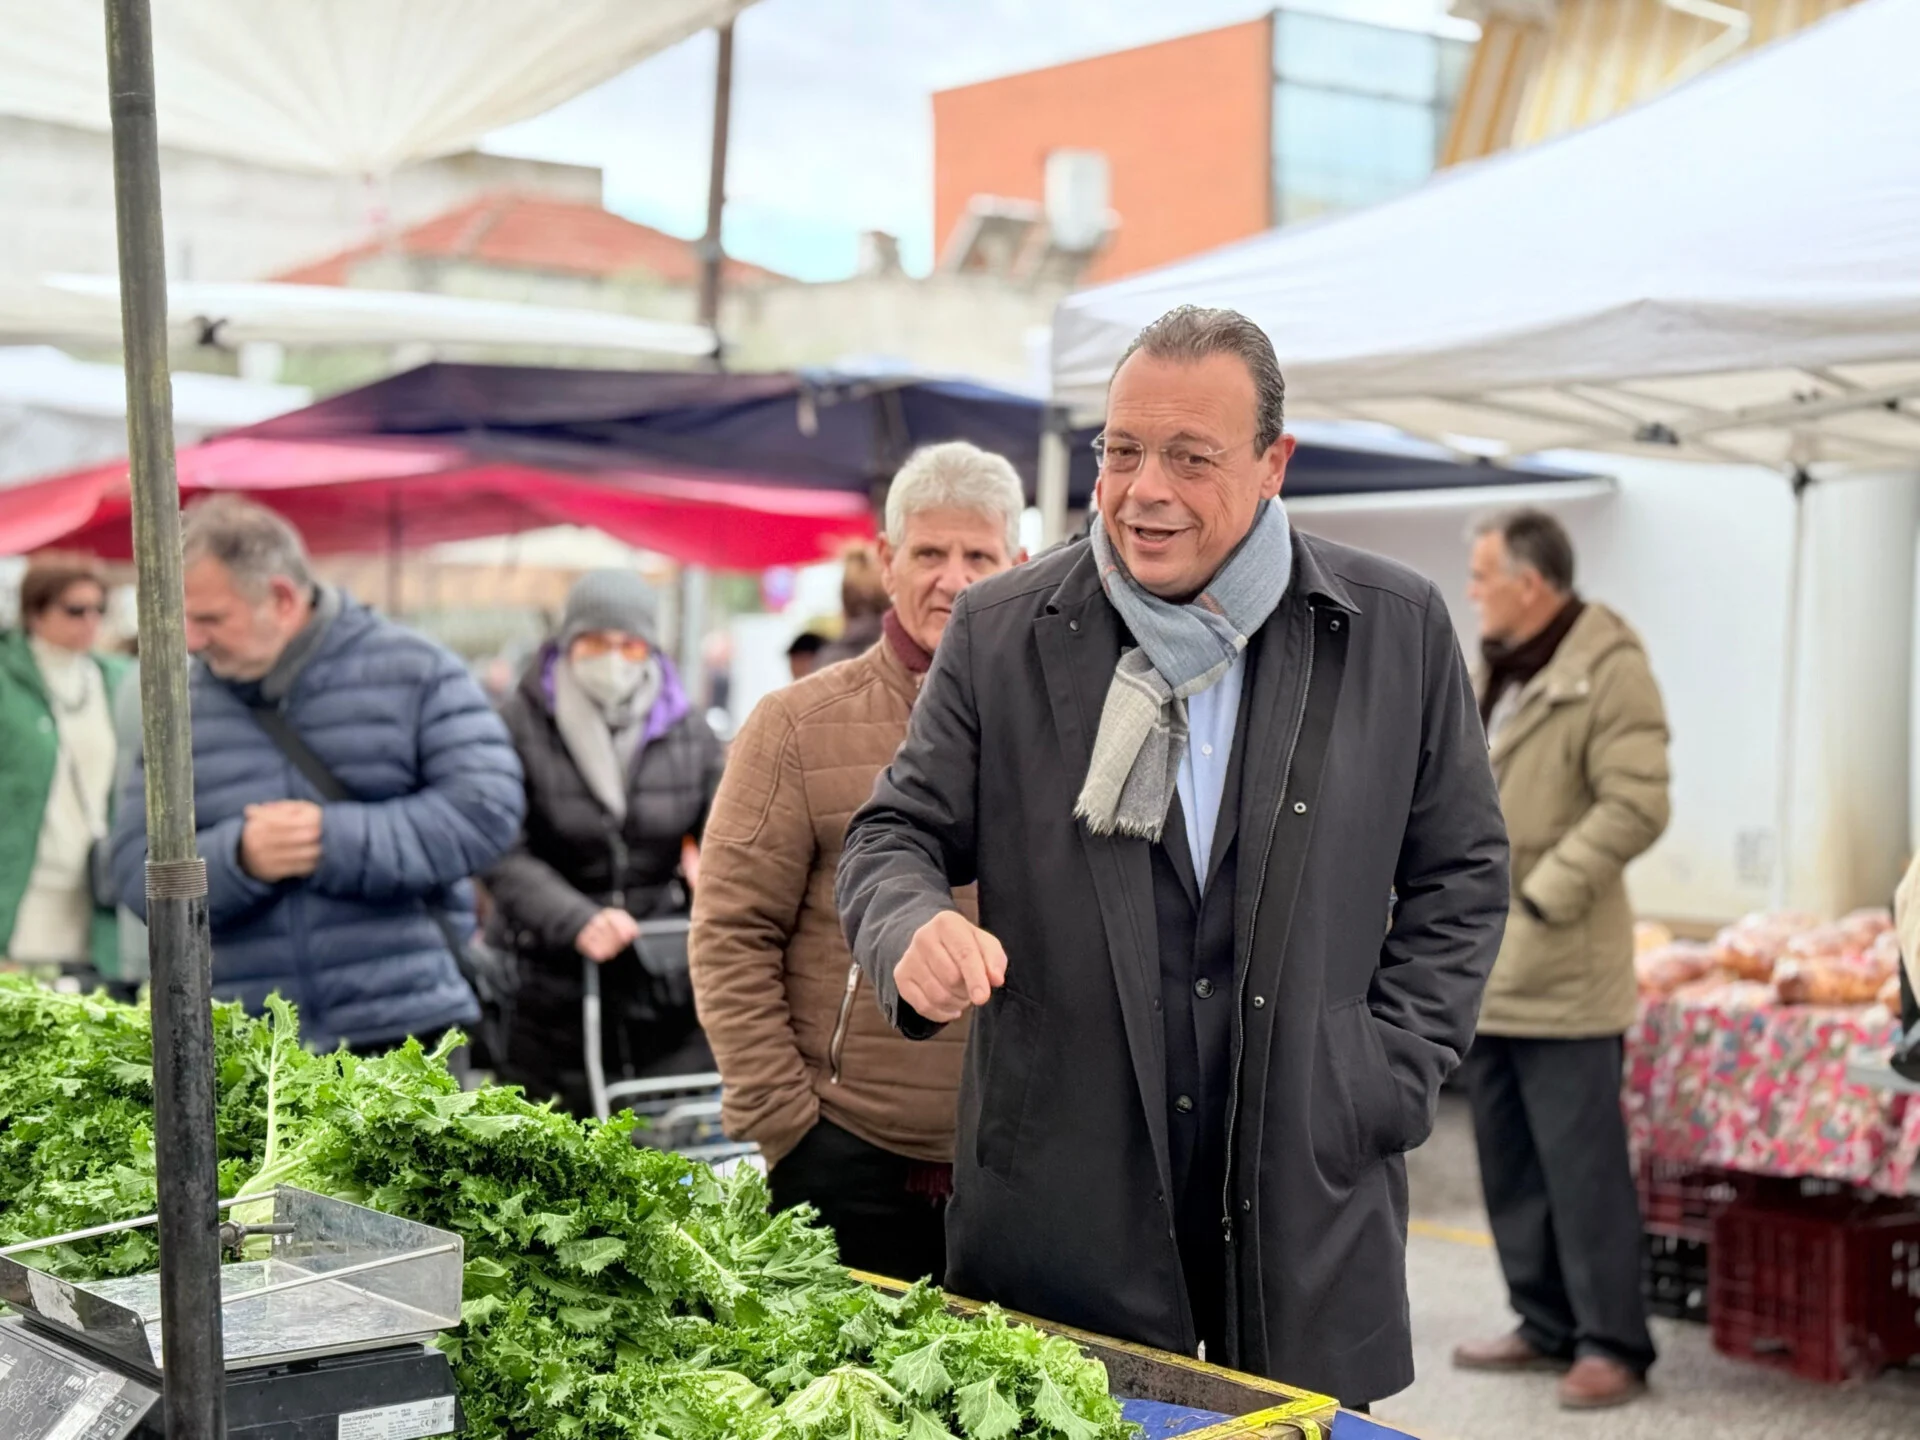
1362,1082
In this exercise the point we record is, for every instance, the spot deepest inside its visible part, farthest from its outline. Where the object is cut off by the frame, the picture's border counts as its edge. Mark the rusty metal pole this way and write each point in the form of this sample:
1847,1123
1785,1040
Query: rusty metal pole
178,945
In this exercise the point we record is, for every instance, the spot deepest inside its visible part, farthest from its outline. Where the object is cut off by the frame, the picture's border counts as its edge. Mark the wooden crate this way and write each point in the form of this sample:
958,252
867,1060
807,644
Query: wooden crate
1262,1409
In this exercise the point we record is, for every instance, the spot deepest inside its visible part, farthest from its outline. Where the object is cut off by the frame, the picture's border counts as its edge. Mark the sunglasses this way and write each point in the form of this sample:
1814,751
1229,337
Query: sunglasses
631,647
81,612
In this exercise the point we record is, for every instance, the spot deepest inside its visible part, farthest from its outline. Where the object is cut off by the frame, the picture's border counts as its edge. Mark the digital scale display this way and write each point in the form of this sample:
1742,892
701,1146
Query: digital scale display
47,1393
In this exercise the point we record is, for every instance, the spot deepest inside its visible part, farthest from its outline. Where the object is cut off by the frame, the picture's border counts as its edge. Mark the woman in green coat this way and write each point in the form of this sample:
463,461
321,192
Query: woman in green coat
57,756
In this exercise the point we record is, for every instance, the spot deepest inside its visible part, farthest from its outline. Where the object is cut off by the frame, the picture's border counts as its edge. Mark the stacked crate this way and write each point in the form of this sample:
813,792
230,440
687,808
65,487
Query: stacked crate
1678,1203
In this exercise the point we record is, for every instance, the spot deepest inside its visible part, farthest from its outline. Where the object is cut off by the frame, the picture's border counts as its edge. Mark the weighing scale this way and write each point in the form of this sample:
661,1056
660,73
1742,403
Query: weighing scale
326,1337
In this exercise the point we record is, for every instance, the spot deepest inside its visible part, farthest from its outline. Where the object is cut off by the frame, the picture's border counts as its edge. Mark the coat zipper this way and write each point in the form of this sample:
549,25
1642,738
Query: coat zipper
842,1026
1246,959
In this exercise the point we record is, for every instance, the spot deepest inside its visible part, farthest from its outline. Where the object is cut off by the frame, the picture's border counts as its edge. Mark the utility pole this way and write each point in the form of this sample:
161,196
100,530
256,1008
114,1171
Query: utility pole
185,1161
712,253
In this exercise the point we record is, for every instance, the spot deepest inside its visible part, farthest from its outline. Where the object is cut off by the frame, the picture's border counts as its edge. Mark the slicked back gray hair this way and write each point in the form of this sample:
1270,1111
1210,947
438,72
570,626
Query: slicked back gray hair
1193,332
250,540
1533,538
956,476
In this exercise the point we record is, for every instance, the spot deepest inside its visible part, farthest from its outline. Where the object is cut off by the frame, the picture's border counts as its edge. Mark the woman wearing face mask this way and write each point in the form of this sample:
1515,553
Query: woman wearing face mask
56,771
620,775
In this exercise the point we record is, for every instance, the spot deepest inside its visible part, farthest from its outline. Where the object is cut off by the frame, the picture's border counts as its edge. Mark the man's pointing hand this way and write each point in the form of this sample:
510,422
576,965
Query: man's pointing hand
950,966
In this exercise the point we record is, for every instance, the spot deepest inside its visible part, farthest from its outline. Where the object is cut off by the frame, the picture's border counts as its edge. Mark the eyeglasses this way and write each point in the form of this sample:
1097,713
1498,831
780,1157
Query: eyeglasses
593,644
81,612
1181,459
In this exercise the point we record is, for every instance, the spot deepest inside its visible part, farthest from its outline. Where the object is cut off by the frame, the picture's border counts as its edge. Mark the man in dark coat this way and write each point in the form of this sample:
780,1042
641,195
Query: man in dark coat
1225,793
351,905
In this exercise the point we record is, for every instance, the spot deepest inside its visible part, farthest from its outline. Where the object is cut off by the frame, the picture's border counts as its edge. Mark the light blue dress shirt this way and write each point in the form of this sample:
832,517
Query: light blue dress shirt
1212,716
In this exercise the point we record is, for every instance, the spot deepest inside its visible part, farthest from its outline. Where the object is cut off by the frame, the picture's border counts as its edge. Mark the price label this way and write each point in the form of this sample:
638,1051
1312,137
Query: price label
400,1422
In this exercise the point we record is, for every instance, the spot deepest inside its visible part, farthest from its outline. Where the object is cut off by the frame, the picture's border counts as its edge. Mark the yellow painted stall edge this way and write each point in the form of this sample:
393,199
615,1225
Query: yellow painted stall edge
1310,1419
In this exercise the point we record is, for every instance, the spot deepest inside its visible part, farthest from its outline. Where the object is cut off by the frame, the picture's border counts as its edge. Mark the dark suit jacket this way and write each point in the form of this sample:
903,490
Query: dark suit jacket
1369,907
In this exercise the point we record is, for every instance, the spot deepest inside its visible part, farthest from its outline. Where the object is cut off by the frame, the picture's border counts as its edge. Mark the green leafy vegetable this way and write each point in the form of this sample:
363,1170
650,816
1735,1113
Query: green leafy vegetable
611,1292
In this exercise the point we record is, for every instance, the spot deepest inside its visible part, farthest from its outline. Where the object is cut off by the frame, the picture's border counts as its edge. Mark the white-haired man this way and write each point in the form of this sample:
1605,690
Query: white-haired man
854,1119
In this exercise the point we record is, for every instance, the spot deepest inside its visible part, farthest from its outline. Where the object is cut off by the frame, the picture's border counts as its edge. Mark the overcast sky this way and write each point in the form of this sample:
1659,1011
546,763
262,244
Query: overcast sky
832,111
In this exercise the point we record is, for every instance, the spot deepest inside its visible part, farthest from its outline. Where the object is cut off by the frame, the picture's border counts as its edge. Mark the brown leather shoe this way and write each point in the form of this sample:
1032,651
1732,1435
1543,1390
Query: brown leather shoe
1510,1352
1597,1383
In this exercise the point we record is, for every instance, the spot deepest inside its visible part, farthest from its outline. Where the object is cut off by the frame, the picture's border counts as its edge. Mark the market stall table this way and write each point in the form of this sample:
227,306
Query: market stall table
1765,1089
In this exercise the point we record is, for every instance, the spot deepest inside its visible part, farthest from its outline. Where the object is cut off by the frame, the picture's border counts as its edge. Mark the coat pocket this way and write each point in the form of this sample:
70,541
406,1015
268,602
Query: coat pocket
1012,1031
1359,1123
1544,965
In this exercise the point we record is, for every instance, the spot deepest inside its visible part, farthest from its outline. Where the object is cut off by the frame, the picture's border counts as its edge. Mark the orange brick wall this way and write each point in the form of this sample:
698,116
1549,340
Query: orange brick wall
1185,125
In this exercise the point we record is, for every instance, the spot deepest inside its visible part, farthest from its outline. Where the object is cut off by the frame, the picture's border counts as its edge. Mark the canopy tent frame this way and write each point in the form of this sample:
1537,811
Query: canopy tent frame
1688,436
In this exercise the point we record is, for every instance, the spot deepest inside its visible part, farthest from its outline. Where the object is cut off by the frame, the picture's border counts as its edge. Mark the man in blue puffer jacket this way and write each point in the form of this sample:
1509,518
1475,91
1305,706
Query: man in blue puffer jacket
349,907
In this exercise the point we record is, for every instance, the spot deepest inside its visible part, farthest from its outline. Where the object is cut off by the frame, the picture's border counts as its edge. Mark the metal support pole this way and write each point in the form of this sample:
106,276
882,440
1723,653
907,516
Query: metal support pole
693,631
712,253
177,939
1787,769
1050,486
396,554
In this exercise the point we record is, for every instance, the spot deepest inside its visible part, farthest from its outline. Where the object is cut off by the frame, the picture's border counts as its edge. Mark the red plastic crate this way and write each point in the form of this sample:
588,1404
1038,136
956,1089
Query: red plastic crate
1829,1291
1678,1201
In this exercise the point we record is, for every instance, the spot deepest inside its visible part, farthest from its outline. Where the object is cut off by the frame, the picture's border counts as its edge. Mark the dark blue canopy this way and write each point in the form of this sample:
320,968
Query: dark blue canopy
815,429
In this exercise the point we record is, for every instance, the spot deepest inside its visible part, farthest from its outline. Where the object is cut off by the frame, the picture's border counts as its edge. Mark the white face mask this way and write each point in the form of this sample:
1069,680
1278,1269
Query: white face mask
610,679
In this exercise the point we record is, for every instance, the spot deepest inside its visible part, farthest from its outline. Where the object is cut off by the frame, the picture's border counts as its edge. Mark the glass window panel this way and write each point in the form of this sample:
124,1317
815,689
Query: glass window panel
1336,150
1341,54
1336,132
1456,57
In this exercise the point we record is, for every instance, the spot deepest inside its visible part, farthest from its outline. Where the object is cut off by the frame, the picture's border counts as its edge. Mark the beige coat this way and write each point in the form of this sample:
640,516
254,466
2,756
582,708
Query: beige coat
794,1026
1582,769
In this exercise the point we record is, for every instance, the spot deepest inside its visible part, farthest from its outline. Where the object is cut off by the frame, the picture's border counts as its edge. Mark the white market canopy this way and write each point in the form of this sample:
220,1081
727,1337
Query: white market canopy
1729,272
343,86
75,309
58,413
40,377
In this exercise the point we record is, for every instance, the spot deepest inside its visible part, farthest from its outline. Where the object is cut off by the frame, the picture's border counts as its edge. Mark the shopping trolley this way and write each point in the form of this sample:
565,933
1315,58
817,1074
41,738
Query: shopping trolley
682,1111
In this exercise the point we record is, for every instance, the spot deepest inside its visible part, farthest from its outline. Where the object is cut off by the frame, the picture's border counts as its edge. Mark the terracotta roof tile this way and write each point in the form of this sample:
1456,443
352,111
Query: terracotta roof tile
533,232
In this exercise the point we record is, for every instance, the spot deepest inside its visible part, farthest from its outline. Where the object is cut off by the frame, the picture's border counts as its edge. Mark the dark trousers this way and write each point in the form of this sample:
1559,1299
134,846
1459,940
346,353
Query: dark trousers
1560,1193
888,1219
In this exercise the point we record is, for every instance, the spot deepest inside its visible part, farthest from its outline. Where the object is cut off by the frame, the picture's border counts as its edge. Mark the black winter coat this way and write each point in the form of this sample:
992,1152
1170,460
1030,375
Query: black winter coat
572,860
1365,783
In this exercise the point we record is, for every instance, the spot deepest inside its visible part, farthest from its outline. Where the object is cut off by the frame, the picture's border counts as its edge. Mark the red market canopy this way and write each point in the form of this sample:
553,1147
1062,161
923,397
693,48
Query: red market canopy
367,496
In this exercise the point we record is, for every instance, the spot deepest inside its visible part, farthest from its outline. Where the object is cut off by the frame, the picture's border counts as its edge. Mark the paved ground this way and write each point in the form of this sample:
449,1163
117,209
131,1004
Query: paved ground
1456,1293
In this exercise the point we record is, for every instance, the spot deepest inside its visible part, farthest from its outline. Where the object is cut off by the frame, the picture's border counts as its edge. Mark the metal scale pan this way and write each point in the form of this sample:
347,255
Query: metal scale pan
343,1279
329,1328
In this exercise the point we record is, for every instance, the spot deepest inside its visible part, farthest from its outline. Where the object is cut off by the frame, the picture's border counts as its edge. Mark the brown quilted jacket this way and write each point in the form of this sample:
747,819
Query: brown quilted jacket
793,1024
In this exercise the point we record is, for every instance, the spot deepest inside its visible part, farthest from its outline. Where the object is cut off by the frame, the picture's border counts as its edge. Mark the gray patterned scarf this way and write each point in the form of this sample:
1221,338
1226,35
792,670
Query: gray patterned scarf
1182,650
603,743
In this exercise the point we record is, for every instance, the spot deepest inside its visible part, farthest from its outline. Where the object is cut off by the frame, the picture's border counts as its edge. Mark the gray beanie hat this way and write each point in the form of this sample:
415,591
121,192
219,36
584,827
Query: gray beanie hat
611,600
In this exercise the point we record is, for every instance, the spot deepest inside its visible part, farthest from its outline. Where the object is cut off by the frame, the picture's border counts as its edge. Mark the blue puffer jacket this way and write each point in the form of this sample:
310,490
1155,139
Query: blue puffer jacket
398,721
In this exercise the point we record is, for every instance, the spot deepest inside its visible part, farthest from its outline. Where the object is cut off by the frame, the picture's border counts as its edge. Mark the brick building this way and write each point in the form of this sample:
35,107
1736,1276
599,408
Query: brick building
1207,138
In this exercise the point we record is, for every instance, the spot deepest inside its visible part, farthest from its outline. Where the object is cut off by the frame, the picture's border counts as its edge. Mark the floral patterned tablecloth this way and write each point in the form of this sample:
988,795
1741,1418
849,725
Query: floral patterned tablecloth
1763,1089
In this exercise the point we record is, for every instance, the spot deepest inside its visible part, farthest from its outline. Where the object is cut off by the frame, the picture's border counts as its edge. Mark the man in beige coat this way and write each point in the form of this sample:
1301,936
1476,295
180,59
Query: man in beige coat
853,1118
1579,748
